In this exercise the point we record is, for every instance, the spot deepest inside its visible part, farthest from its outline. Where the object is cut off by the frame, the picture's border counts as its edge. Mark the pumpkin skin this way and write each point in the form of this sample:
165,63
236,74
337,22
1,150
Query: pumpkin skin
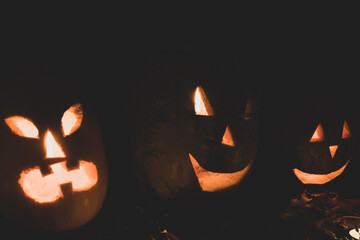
44,102
168,131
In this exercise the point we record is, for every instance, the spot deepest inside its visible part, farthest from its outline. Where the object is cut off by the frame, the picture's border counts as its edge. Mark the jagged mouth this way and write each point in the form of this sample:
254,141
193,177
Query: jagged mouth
47,189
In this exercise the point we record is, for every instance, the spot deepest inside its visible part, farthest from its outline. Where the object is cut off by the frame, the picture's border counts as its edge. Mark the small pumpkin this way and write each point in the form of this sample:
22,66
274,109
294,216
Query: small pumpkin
53,173
324,137
325,153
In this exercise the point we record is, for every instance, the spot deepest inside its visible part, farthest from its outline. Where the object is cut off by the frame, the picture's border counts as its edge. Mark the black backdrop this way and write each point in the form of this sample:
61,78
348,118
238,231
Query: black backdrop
292,73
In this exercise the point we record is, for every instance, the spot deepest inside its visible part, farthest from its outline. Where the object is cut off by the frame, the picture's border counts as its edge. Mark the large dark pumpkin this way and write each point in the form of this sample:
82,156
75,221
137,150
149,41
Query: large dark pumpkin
196,129
53,173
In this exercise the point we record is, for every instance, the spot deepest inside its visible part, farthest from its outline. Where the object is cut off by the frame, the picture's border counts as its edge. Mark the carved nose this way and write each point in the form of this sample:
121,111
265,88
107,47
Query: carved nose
53,149
227,138
333,149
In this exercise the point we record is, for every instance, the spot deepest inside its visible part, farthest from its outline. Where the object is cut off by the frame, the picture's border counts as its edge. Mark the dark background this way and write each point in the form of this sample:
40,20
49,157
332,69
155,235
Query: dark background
293,67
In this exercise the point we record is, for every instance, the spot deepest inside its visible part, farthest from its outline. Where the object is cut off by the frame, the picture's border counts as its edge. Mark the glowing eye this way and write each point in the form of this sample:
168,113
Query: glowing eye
201,103
346,130
71,120
318,134
22,126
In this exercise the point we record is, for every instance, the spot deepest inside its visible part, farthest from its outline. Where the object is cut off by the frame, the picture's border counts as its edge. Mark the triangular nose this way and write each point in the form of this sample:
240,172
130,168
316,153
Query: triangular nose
333,149
227,138
53,149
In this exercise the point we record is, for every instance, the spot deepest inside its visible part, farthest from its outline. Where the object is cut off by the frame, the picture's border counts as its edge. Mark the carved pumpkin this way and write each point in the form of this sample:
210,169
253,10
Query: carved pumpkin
324,158
53,173
322,138
324,150
193,132
324,135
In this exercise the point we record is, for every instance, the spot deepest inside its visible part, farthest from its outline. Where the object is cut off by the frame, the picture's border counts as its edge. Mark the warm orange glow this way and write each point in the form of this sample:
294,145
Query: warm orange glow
355,233
71,120
333,150
214,181
318,134
227,138
47,189
53,149
308,178
202,105
22,126
346,130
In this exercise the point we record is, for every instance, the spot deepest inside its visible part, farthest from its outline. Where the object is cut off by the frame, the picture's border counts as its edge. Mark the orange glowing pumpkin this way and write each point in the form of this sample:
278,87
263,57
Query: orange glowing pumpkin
325,153
324,133
53,173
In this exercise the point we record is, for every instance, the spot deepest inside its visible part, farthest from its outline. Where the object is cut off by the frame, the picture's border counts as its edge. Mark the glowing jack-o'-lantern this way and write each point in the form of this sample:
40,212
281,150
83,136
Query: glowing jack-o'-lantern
53,169
325,153
194,136
47,189
214,181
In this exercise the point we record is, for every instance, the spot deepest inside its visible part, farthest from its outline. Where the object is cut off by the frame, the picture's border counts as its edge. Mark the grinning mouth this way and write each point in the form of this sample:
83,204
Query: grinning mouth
214,181
308,178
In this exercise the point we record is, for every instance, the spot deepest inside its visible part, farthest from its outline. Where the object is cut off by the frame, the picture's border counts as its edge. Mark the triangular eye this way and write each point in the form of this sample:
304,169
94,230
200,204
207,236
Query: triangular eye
22,126
201,103
72,119
318,134
346,130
